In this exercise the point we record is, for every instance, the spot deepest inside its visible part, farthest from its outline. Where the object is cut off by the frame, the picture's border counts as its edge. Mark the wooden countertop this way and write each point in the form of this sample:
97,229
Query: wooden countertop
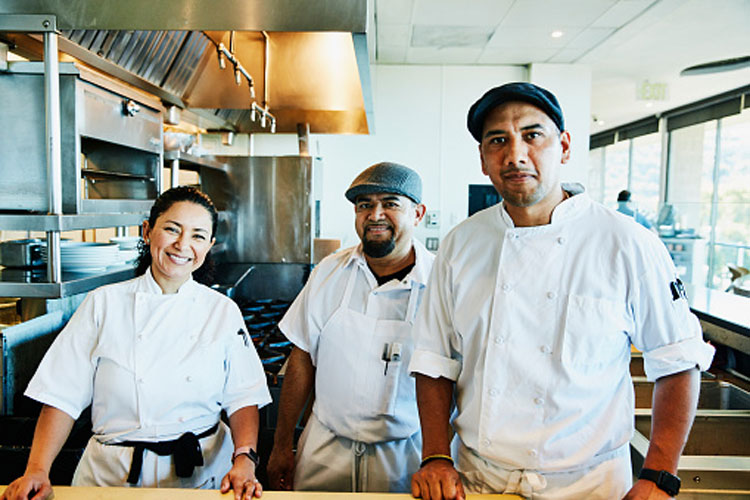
91,493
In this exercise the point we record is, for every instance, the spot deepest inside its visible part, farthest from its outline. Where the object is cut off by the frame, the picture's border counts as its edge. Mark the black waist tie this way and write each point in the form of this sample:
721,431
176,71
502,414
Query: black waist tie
186,451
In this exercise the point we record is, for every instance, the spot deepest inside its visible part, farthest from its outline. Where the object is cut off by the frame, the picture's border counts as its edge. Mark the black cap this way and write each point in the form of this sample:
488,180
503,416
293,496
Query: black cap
623,195
386,177
515,91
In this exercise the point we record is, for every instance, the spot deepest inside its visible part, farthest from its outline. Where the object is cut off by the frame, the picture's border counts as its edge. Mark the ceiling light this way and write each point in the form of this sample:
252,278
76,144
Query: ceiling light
556,34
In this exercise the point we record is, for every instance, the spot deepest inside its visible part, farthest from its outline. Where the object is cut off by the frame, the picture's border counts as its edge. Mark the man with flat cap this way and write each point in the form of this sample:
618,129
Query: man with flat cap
351,326
527,324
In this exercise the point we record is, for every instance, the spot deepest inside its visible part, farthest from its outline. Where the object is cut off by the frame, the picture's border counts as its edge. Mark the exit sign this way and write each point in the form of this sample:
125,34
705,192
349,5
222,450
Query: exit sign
652,91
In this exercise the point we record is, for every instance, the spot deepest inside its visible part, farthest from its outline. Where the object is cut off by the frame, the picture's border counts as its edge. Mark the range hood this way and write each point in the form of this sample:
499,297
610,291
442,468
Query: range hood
308,60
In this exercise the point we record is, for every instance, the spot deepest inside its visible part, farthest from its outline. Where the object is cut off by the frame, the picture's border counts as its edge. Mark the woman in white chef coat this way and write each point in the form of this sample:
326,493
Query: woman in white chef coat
158,358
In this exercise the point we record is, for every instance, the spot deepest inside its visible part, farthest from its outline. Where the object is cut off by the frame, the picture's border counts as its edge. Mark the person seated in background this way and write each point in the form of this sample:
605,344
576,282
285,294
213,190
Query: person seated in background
352,332
158,357
625,206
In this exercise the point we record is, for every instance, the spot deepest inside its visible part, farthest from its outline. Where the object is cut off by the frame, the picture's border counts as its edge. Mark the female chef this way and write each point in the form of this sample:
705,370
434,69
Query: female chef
158,358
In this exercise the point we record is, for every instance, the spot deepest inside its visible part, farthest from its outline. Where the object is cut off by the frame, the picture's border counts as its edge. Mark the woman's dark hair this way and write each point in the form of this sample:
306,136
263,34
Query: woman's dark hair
205,273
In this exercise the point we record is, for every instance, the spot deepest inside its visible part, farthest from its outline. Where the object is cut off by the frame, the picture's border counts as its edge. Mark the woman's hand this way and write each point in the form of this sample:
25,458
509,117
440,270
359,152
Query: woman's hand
241,479
36,483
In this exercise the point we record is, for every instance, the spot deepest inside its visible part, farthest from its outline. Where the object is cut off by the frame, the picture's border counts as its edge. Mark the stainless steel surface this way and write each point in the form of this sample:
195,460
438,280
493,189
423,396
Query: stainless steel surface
31,23
95,133
70,284
23,347
714,395
273,204
16,222
241,15
188,160
267,281
292,42
21,253
54,156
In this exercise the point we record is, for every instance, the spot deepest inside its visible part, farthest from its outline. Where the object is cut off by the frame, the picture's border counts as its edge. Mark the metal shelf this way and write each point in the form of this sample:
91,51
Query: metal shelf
72,283
35,222
199,161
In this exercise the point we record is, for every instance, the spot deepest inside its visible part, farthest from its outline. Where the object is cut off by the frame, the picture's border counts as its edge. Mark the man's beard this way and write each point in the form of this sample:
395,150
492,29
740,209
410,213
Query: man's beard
379,248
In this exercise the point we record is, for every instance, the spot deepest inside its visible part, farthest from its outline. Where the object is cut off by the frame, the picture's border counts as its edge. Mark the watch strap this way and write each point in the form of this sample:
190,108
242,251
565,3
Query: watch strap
665,481
248,452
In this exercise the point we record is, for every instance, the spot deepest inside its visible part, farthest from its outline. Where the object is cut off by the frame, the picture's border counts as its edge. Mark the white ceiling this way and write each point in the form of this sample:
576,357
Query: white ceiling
624,42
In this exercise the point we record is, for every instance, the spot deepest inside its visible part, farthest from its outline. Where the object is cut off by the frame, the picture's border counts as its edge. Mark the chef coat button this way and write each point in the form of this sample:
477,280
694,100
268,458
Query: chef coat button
140,336
532,453
486,442
140,381
180,419
493,392
539,401
551,295
546,349
560,240
506,287
189,378
499,340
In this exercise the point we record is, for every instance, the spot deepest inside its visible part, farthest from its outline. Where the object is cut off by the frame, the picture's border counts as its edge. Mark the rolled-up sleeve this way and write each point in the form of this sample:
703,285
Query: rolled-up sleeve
667,332
437,349
65,377
245,379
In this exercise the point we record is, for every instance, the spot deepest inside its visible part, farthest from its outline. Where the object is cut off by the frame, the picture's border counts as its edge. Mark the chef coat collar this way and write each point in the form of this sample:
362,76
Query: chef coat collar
419,273
147,284
566,210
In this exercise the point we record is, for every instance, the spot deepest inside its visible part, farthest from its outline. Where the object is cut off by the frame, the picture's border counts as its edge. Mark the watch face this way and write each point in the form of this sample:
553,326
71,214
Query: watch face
668,482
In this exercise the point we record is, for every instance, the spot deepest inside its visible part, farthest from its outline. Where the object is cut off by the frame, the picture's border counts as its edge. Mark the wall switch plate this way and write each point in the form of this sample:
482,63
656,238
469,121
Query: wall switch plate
432,243
432,218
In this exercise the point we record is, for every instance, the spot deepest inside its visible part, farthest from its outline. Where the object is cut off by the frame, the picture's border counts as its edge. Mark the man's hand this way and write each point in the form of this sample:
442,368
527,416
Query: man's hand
241,479
437,480
281,469
646,490
36,483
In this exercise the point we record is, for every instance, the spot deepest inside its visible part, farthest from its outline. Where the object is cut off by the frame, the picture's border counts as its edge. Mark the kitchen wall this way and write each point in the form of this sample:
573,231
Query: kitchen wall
420,114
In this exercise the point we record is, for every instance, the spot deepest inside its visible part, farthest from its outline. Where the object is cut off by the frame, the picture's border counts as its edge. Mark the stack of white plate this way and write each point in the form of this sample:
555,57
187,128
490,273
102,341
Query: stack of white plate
84,257
128,248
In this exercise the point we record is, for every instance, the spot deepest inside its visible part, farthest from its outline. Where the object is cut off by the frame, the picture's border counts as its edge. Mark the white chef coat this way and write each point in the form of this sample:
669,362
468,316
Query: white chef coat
347,323
535,325
153,366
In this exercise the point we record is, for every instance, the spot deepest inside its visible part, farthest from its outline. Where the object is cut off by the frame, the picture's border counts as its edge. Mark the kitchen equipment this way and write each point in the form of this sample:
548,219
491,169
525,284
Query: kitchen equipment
21,253
111,142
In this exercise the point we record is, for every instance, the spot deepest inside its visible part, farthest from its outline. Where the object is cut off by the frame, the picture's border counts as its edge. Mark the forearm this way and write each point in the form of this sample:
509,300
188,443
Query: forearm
434,400
298,383
244,426
674,403
52,429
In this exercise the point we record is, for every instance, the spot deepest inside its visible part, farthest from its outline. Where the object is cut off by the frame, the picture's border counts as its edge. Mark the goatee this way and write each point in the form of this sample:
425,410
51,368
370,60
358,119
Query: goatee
378,249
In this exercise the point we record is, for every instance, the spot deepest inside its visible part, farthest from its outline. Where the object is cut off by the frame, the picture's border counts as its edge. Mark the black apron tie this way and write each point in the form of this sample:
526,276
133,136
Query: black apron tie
185,450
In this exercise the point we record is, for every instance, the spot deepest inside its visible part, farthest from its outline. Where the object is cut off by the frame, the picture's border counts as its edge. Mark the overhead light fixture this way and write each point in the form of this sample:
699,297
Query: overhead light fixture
556,34
717,66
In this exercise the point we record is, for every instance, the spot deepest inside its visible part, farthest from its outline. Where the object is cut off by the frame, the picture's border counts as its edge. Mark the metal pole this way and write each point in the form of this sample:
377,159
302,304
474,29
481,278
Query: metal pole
54,158
175,173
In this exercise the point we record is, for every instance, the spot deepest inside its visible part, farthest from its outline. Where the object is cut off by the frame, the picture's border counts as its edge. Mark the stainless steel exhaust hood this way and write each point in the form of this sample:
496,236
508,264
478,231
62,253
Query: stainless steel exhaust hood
308,60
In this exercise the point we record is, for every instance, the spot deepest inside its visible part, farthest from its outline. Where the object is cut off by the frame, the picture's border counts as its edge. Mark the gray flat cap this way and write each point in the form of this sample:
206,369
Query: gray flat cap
386,177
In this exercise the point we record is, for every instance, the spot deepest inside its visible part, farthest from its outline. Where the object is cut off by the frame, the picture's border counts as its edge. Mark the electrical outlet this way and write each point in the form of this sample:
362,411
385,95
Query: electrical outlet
432,218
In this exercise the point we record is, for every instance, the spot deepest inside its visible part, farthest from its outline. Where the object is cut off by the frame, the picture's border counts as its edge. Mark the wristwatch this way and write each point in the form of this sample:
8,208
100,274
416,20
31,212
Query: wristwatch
249,453
665,481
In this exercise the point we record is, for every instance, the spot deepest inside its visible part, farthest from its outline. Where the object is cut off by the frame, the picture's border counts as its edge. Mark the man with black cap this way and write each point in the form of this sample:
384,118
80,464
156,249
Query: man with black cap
351,328
625,206
527,324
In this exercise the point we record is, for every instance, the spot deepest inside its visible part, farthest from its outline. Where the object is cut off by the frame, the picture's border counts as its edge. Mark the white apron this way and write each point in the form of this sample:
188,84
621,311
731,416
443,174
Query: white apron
108,465
364,431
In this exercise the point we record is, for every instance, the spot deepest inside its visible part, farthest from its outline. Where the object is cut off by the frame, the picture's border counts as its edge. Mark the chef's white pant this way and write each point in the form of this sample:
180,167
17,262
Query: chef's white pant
608,477
327,462
108,465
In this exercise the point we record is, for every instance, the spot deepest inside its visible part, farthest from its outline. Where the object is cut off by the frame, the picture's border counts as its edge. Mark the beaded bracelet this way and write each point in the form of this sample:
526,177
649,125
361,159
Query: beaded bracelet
430,458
